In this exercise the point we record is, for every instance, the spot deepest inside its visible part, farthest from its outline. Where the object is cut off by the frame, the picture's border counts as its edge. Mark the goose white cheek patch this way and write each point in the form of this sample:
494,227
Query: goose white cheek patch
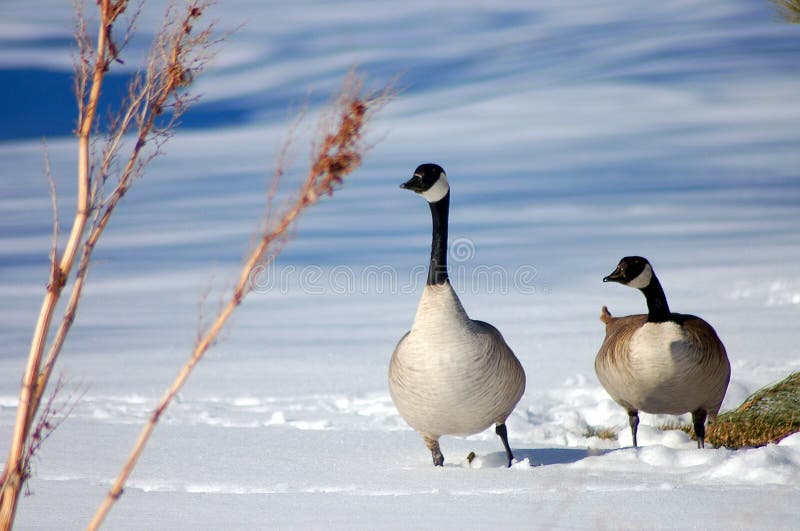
438,190
643,279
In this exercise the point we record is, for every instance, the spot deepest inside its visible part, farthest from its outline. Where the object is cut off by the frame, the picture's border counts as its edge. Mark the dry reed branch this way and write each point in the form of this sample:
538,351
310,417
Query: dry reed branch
13,475
338,154
179,53
49,420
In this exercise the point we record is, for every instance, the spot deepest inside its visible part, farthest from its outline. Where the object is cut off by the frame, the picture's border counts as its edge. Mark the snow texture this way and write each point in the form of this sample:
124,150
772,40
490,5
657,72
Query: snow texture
573,133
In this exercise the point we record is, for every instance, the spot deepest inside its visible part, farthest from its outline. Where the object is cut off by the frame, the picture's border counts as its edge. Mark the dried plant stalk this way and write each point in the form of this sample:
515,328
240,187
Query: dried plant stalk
13,474
149,95
338,154
156,100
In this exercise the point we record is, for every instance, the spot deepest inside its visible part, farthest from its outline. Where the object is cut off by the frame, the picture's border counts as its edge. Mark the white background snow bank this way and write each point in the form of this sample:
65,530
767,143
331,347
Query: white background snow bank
572,134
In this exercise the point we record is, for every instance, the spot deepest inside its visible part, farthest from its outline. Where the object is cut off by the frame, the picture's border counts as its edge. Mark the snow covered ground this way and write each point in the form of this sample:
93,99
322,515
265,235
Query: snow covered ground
574,133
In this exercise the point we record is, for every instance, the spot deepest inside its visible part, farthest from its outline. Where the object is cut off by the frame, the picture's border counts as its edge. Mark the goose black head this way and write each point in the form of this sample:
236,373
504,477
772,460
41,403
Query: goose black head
429,181
633,271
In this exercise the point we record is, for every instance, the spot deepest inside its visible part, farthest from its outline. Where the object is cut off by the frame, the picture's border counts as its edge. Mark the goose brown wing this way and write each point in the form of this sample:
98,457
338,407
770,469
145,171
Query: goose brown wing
616,345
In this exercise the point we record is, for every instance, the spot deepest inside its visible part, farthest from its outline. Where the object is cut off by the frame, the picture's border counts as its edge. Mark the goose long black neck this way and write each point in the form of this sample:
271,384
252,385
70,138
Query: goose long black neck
657,307
437,272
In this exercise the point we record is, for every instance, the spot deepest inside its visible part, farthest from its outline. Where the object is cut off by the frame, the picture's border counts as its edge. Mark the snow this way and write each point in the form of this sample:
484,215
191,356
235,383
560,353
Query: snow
572,133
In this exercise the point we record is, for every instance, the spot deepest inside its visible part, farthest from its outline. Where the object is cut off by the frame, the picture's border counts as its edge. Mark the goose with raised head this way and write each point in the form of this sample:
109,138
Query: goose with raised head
450,375
661,362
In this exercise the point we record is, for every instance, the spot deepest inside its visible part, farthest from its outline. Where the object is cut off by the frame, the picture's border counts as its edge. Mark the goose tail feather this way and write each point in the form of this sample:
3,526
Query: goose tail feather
605,315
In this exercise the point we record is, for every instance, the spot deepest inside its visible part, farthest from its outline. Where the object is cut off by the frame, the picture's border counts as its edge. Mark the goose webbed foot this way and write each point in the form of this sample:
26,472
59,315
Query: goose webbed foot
633,420
502,432
699,422
436,452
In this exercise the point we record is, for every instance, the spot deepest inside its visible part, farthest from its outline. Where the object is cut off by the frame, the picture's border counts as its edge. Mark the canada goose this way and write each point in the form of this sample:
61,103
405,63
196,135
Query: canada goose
662,362
450,375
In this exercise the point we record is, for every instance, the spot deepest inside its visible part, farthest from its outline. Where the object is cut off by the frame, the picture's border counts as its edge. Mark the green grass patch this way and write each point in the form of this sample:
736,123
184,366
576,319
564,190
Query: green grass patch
608,434
767,416
789,10
677,425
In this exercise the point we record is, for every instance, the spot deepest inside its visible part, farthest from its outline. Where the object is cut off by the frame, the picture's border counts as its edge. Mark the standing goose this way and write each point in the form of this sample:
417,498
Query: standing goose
662,362
450,375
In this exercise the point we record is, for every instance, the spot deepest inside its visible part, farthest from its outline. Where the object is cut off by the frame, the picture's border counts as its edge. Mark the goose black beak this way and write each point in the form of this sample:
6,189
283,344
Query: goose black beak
616,276
414,184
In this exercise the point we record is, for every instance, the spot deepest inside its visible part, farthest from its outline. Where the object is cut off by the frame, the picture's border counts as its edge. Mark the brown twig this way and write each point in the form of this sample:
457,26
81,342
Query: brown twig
338,154
14,472
49,420
157,99
149,94
54,205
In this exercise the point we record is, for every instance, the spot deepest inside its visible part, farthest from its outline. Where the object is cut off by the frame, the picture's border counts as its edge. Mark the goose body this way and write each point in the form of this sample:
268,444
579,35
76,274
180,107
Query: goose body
661,362
451,375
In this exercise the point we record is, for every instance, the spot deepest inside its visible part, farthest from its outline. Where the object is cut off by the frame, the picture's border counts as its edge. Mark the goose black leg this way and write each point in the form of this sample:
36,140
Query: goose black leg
436,452
633,420
699,421
501,431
